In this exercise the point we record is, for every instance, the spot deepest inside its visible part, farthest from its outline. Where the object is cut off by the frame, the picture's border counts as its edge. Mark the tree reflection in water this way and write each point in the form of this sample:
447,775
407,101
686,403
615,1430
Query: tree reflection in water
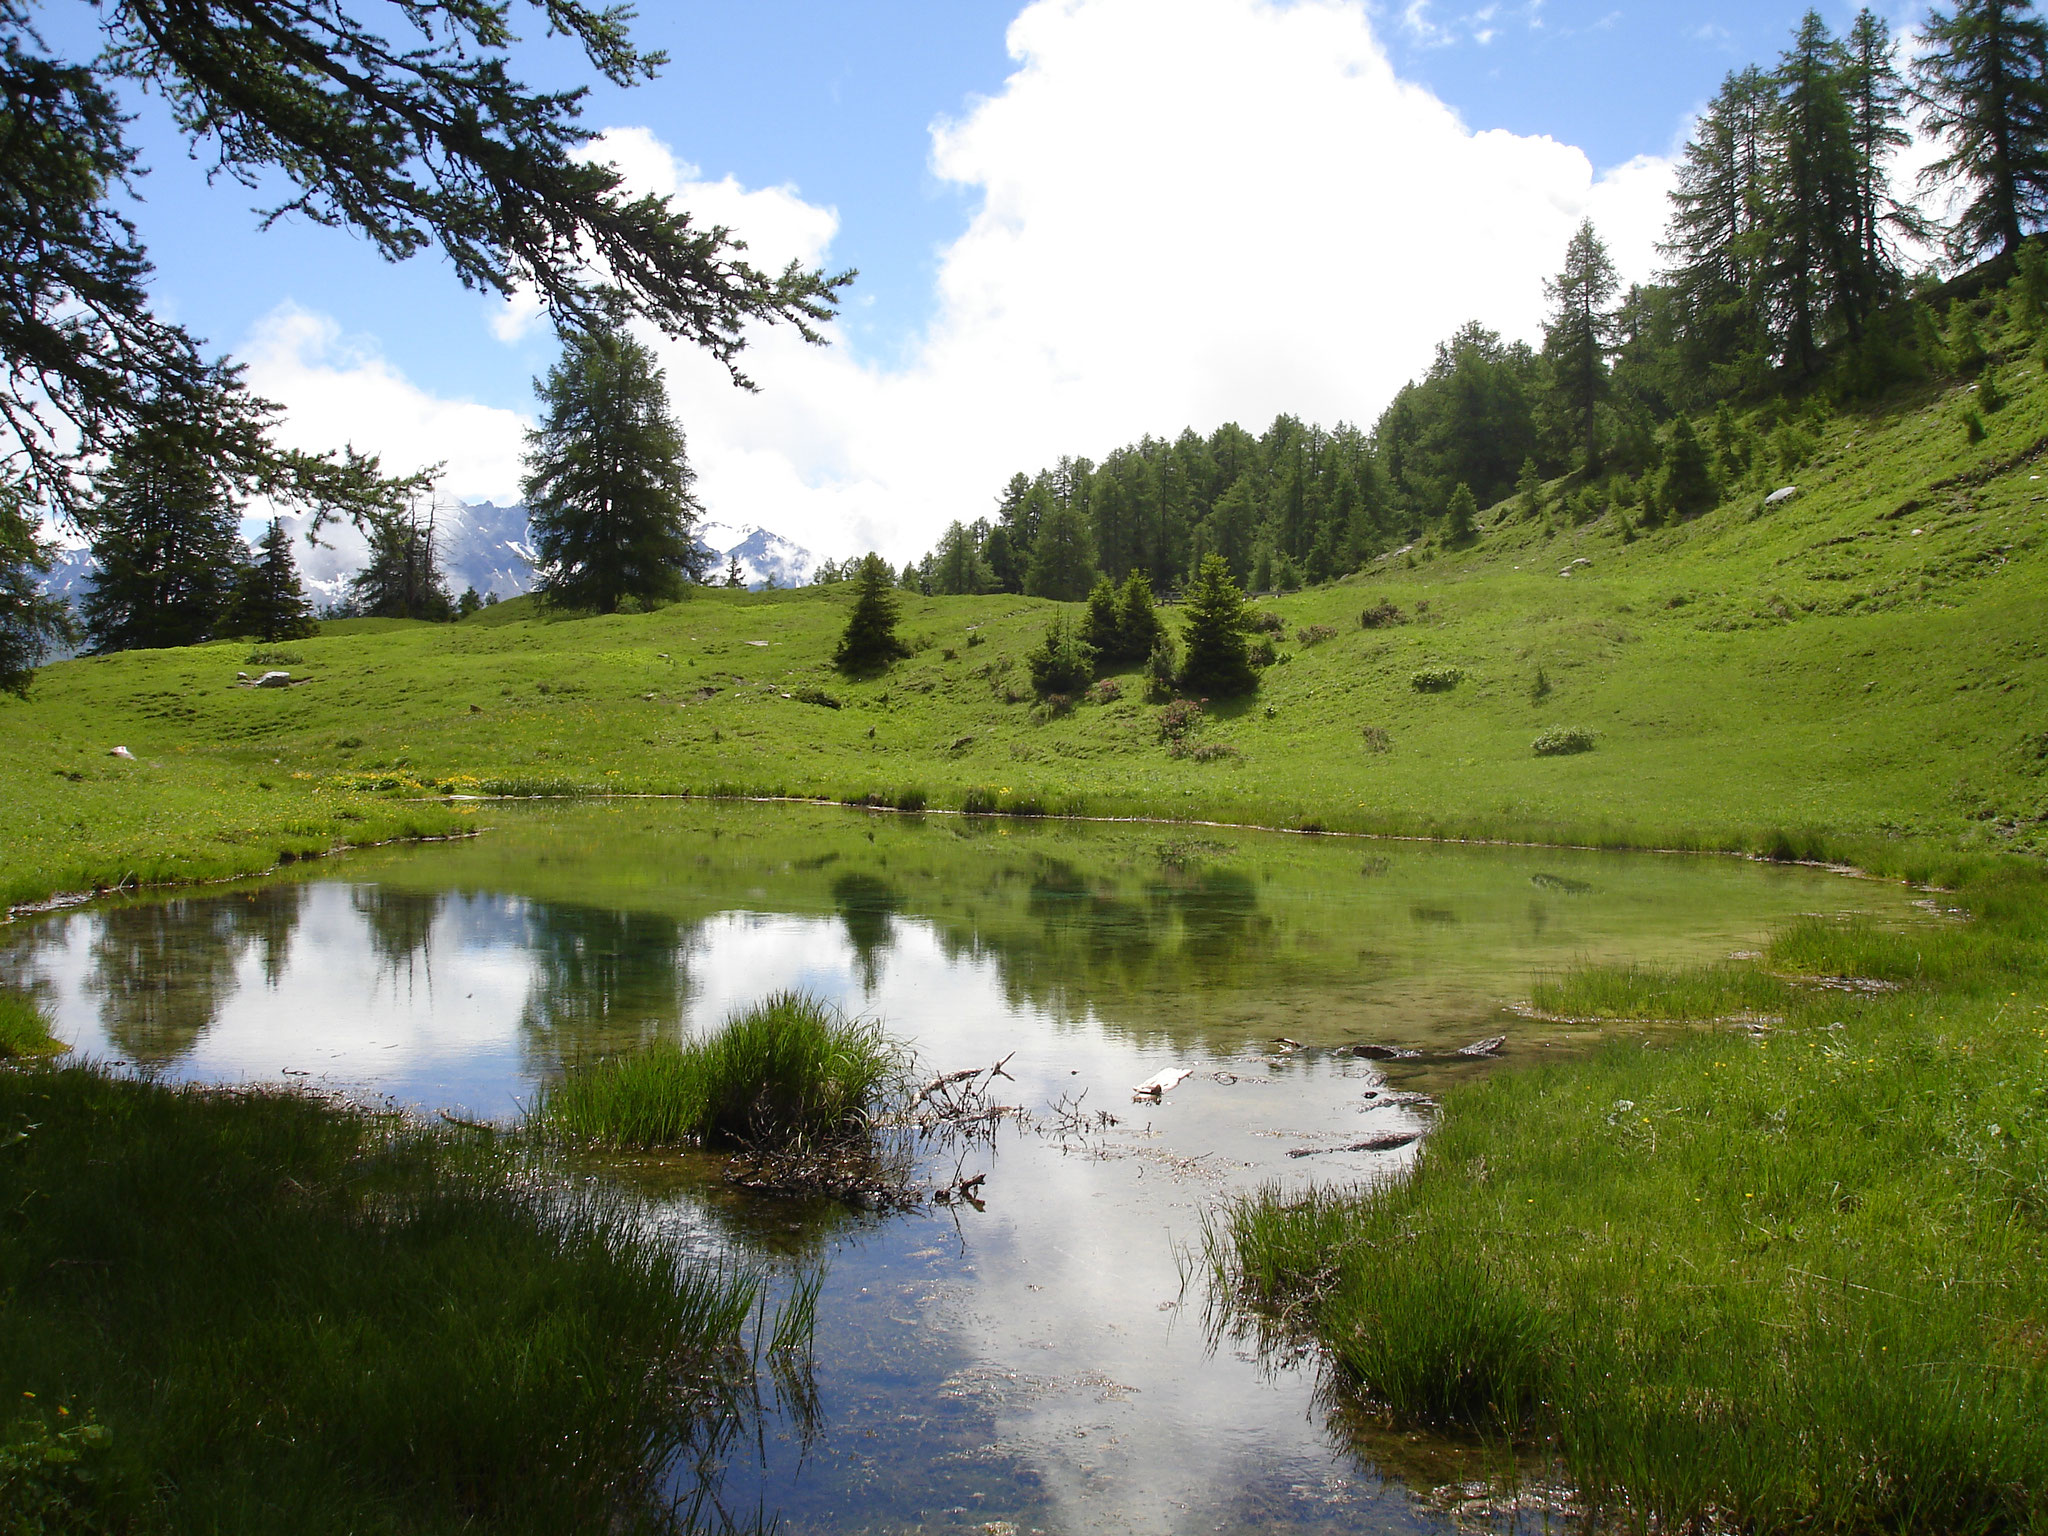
401,925
164,970
868,905
604,981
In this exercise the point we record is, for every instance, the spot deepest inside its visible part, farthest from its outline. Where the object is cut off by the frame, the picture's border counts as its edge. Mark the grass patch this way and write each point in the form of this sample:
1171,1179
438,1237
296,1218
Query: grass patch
293,1316
788,1071
1789,1283
24,1028
1646,993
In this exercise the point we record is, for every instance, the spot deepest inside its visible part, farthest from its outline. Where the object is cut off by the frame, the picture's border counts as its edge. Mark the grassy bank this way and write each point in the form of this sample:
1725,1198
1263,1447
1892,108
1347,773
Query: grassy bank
24,1028
789,1070
1787,1279
1854,669
288,1316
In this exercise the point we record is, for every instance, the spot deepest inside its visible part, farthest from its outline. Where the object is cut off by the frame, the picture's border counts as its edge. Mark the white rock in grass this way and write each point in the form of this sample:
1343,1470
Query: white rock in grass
1780,496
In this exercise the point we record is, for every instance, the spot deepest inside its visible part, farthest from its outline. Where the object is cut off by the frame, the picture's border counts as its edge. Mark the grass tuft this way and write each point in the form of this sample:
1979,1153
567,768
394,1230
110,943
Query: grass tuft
789,1070
25,1028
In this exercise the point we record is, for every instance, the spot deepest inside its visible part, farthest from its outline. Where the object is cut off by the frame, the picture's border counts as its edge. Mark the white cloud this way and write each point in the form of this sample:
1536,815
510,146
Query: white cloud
1190,211
341,389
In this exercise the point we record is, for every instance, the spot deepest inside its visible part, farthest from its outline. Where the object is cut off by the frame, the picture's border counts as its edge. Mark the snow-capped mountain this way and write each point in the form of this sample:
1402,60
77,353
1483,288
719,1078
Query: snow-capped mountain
763,555
482,545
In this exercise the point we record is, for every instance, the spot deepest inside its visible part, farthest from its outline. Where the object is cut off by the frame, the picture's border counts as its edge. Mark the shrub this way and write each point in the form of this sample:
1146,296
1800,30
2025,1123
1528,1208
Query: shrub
1991,396
1562,741
1381,615
1437,679
816,696
974,640
1108,691
1179,718
268,656
1063,662
1202,752
1315,634
1261,621
788,1070
1377,740
1260,653
1052,706
1161,668
1973,424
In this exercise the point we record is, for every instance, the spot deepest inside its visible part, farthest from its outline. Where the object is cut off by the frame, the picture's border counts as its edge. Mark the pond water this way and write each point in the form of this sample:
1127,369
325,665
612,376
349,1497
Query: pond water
1035,1362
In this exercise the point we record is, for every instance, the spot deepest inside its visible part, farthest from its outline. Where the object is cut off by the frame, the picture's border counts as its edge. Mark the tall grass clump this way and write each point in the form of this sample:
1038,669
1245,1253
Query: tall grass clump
287,1315
789,1070
1783,1282
24,1028
1643,993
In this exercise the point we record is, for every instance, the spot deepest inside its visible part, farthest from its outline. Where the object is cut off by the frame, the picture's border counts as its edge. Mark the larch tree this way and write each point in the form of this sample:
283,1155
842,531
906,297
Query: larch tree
32,623
608,478
166,539
403,579
1715,241
1876,98
1579,336
1814,193
272,603
1982,78
1063,554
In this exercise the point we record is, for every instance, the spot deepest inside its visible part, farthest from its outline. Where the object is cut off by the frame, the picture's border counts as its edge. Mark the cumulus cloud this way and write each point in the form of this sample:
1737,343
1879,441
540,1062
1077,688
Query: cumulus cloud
340,388
1190,211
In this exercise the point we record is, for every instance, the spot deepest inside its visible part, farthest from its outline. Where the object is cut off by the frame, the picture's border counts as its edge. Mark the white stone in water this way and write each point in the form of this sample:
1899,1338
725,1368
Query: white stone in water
1158,1083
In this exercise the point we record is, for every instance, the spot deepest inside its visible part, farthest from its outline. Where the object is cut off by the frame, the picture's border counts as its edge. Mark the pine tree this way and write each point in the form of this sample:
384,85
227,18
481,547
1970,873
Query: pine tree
1102,625
1983,75
1062,662
1062,555
1139,627
1718,230
608,478
736,578
272,602
1686,488
1877,129
1218,663
1461,517
870,641
1578,338
1529,490
471,602
165,535
403,579
31,622
1814,198
958,569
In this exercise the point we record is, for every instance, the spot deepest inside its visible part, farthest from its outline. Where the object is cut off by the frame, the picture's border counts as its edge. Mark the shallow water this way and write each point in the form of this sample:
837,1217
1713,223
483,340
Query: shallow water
1037,1361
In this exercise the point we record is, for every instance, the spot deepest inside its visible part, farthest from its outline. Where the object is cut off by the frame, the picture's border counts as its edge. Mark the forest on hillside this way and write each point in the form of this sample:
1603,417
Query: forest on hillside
1787,294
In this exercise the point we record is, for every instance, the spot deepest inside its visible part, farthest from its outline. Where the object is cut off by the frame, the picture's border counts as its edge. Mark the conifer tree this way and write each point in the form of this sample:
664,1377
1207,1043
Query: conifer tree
1218,663
1062,555
1578,337
1102,625
31,621
608,478
403,579
1983,76
272,603
1062,662
166,539
1814,199
1875,96
1529,490
736,578
1686,488
1461,517
1719,216
958,569
471,601
1139,627
870,642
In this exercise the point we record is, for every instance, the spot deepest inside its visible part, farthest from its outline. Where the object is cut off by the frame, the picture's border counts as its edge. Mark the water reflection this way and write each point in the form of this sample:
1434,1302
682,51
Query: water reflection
604,981
1025,1363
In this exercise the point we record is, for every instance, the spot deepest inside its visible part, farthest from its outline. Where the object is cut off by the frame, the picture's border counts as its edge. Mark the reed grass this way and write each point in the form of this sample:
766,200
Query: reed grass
24,1028
293,1316
1651,993
788,1070
1790,1282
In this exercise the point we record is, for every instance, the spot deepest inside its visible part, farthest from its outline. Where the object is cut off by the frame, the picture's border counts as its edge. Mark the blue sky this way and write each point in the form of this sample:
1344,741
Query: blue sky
838,102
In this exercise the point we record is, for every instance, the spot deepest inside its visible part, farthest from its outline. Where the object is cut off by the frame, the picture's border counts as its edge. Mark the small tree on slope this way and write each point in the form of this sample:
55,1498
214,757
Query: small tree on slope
1218,663
870,641
272,603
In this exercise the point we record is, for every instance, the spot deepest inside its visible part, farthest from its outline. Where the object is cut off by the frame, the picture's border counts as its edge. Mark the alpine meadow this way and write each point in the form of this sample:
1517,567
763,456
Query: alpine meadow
1657,700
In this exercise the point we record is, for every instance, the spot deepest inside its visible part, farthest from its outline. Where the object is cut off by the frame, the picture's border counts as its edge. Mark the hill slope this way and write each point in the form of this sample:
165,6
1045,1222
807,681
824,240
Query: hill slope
1861,662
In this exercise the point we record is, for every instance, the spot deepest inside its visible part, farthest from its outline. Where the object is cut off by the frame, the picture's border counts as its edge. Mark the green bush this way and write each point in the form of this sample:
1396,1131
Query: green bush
1063,662
1381,615
1562,741
49,1478
786,1071
816,696
1437,679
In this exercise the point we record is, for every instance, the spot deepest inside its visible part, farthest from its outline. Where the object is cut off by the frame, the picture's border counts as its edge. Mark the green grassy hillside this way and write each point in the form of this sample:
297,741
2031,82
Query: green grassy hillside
1861,663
